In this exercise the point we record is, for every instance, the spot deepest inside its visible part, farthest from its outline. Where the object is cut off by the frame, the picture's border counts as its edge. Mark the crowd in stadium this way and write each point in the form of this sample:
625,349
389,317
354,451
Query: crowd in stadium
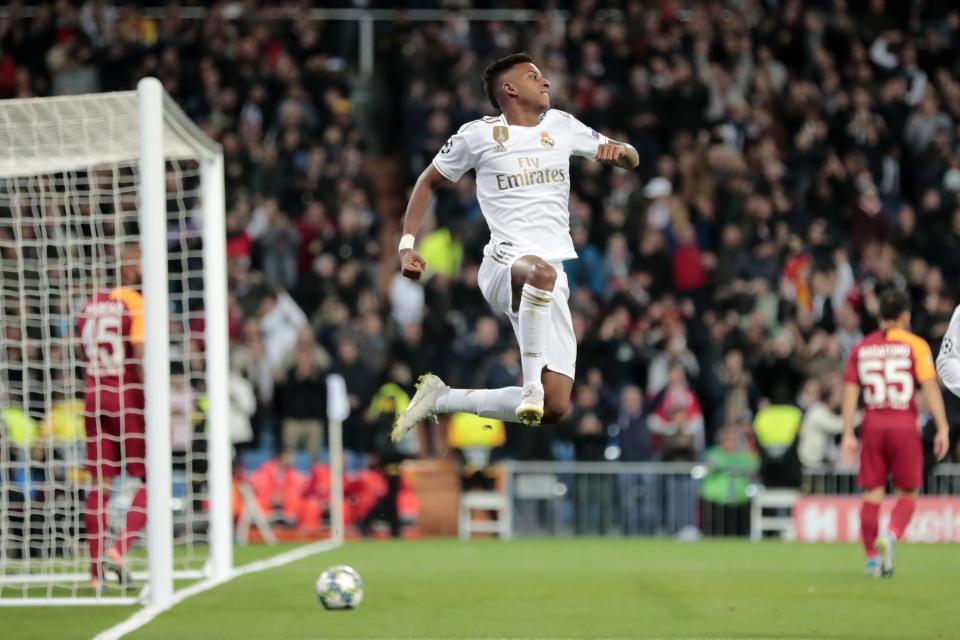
797,159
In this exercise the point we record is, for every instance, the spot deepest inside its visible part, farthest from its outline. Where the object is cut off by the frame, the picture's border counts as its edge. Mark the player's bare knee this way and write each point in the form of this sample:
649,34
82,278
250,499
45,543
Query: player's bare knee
554,410
542,275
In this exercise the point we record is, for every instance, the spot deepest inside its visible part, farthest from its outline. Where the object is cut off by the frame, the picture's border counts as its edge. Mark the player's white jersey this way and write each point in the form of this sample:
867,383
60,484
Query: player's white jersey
948,360
523,177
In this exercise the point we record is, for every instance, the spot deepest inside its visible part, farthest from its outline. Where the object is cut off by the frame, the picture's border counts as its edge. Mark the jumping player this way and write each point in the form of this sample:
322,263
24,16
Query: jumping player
111,330
522,163
888,364
948,360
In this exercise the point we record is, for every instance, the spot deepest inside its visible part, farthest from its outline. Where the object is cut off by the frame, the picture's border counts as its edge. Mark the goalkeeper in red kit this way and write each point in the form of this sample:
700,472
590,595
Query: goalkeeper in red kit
888,365
111,330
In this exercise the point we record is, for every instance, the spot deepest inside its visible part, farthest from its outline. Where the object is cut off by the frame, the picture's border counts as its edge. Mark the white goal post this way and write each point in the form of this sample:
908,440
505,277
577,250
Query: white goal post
77,174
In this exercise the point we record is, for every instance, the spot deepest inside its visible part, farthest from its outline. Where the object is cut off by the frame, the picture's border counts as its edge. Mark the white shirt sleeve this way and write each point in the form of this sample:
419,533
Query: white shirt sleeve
455,157
948,360
584,141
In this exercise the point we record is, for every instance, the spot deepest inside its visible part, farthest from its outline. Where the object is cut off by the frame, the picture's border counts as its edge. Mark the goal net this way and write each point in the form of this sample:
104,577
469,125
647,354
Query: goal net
81,179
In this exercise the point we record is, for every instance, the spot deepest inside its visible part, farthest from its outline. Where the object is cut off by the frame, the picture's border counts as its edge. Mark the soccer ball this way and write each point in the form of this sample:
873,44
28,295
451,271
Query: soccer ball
340,587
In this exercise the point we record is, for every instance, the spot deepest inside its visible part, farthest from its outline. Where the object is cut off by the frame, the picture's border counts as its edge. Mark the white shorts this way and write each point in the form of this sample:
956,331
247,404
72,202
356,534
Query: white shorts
495,284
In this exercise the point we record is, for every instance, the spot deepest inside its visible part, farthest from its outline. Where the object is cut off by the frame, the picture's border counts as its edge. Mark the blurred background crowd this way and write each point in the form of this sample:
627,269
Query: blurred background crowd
797,159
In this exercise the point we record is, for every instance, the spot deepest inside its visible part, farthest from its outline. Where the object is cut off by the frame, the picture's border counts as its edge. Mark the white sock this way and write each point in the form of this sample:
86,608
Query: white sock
534,325
500,404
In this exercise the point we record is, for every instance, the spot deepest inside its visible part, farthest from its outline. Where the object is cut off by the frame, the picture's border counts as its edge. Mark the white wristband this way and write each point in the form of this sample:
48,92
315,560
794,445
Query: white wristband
406,242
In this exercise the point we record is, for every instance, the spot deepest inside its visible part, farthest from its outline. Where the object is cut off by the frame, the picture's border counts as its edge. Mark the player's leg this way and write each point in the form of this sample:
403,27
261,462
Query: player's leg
873,478
886,542
103,457
434,397
557,389
561,355
902,512
905,452
869,526
532,284
134,455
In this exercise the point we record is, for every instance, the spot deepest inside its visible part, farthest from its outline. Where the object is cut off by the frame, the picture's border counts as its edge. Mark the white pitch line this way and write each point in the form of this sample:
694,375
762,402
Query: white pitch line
147,614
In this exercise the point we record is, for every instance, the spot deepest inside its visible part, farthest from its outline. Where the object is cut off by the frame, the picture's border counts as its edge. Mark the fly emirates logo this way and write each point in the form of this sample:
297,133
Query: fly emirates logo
530,174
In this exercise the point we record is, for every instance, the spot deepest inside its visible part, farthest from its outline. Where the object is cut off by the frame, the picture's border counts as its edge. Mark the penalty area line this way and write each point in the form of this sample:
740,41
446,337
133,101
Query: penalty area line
147,614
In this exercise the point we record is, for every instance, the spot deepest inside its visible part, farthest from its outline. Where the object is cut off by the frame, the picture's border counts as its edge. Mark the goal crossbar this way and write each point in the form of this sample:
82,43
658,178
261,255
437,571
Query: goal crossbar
63,130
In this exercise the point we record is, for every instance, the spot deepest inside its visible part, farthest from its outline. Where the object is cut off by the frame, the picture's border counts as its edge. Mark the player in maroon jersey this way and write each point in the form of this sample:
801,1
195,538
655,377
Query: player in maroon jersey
888,364
111,330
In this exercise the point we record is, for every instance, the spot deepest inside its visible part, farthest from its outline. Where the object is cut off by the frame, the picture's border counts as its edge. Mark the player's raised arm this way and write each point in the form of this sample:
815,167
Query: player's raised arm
618,154
590,143
412,263
453,160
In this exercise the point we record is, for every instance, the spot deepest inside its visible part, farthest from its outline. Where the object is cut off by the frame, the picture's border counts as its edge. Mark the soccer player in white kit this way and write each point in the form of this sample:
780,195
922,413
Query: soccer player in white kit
522,163
948,360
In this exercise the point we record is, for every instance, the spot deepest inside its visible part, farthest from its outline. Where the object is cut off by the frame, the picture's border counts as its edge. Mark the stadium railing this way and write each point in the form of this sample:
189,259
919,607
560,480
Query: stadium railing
652,498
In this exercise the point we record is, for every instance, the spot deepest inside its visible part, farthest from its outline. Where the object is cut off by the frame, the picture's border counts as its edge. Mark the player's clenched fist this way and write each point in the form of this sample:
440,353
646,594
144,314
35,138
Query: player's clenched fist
412,264
849,446
610,153
941,444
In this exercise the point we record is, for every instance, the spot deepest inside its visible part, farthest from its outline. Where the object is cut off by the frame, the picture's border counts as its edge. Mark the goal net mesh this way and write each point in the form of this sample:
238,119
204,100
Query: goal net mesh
68,206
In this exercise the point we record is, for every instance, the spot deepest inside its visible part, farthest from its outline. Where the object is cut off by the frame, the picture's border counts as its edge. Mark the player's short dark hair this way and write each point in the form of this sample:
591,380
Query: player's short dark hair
492,74
893,303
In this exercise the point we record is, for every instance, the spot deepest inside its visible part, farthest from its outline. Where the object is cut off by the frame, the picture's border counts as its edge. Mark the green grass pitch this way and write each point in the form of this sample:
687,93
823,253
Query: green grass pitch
569,588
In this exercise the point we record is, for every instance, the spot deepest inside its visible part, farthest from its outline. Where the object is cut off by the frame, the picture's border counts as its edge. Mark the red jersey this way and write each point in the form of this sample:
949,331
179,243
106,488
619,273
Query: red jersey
888,365
109,325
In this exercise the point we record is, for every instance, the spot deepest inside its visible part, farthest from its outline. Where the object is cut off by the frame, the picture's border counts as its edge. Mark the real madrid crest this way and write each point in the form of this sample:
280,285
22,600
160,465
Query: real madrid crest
546,140
500,134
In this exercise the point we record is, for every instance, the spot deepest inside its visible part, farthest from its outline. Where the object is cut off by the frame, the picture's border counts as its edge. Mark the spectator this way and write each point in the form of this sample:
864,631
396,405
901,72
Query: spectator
735,394
182,408
725,501
635,438
251,360
301,403
590,438
820,427
590,442
678,419
387,457
776,428
280,323
361,383
243,405
689,267
278,246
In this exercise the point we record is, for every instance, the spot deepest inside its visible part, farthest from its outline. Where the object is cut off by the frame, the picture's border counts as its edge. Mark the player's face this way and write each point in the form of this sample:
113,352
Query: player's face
532,88
130,273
